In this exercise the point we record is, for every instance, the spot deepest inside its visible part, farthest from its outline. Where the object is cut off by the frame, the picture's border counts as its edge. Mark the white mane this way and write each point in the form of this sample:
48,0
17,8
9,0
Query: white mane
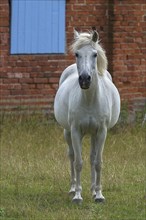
84,39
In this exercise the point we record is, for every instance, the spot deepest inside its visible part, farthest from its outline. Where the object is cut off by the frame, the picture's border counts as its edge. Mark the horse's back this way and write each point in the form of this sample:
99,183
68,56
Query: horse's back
72,69
108,75
61,102
110,93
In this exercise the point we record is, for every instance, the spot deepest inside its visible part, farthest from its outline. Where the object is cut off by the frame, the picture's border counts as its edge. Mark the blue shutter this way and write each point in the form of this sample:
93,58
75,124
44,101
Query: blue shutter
37,26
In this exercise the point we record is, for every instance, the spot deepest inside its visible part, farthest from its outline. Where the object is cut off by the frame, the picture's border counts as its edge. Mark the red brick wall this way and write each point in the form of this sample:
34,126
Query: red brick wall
129,64
29,82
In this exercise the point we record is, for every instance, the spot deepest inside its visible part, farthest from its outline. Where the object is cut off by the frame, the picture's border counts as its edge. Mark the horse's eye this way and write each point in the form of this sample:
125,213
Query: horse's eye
76,54
95,55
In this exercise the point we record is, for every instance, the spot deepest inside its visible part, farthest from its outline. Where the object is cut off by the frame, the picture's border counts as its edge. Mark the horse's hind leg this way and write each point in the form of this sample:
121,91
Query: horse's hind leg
92,162
67,136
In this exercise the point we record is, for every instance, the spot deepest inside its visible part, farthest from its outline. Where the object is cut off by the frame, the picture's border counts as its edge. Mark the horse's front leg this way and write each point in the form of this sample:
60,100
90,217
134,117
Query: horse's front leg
100,140
67,136
76,142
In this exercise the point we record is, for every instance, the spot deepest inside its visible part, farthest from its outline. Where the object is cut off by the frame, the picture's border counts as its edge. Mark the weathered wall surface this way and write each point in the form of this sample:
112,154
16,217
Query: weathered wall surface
29,82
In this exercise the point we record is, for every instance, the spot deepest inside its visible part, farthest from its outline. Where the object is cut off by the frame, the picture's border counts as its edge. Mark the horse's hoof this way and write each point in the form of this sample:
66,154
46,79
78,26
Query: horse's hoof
99,197
77,199
99,200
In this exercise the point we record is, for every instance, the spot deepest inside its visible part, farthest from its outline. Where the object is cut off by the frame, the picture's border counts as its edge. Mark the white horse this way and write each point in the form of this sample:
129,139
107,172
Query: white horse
87,101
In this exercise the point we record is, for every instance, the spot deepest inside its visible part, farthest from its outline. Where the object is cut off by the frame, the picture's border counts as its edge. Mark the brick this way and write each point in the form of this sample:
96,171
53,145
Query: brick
40,80
53,80
28,86
4,21
26,80
10,81
4,92
17,92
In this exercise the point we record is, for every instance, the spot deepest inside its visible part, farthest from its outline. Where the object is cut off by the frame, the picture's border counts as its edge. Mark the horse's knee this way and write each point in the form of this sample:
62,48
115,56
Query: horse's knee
78,165
98,166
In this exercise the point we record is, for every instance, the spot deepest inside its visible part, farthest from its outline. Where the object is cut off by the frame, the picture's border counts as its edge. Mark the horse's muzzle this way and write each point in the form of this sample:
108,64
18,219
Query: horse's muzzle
84,81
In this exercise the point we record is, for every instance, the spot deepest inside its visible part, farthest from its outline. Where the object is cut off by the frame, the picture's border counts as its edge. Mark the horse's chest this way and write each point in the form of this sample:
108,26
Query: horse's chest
88,124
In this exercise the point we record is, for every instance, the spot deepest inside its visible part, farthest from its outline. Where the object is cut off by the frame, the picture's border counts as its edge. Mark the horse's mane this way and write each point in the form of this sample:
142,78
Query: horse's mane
86,39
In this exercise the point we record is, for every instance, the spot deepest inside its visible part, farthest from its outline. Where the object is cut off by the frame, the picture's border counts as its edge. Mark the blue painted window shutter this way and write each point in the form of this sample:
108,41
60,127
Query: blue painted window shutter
37,26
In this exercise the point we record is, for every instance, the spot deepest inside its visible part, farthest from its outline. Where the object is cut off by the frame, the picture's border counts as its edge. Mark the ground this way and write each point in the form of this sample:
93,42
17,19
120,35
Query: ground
35,173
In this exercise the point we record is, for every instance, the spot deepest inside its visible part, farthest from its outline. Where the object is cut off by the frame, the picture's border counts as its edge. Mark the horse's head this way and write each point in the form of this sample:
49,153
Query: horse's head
87,56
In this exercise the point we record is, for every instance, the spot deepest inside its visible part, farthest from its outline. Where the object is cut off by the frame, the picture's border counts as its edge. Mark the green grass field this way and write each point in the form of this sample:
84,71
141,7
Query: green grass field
35,174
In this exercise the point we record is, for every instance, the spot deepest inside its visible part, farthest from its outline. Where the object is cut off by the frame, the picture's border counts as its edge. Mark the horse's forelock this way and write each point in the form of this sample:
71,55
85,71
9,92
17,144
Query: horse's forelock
86,39
82,40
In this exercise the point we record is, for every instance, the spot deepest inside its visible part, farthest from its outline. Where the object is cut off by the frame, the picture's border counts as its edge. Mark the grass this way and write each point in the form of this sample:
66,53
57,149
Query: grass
35,173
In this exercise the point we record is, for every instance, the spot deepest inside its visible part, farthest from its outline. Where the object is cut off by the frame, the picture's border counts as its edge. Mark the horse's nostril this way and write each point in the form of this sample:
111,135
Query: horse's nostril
80,78
89,78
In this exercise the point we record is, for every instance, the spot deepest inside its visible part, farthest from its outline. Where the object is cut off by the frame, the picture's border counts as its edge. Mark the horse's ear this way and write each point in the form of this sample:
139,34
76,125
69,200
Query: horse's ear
76,34
95,36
